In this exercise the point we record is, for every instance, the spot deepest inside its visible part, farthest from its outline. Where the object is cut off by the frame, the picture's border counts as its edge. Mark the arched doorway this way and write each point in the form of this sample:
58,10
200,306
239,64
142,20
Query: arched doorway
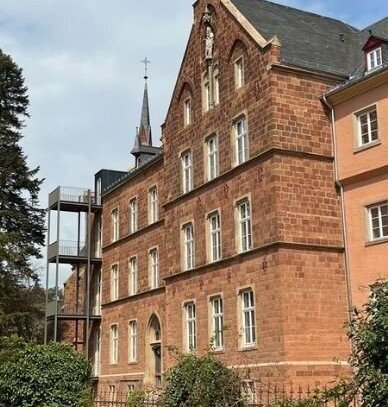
154,352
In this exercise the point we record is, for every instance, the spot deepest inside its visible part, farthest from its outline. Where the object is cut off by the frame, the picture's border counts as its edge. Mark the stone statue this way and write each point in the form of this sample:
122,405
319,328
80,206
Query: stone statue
209,41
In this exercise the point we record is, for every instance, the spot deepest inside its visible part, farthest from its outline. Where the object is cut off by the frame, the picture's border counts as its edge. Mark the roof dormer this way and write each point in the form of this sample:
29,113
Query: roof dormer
374,52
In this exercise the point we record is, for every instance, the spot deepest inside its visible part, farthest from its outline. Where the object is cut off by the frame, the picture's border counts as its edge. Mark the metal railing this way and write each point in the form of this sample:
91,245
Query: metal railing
70,194
263,396
112,399
72,309
67,248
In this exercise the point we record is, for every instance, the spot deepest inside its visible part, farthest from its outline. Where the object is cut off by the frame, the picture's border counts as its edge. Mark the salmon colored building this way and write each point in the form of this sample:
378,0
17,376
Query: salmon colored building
360,123
231,231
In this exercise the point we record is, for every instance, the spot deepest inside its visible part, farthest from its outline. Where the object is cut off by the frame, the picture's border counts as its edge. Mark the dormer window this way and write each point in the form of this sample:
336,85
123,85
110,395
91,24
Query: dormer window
374,58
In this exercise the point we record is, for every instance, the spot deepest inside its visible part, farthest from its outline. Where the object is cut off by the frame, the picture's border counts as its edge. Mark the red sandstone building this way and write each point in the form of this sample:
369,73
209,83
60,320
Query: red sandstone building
231,232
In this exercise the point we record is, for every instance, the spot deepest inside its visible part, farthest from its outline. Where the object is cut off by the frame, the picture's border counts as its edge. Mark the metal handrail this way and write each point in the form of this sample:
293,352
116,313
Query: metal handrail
71,194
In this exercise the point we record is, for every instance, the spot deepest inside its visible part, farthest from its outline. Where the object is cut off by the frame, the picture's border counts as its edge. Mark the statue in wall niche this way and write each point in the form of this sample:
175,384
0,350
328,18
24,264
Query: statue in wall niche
209,43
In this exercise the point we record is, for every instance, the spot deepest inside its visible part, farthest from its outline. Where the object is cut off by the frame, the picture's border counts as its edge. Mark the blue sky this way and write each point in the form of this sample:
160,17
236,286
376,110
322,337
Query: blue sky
81,63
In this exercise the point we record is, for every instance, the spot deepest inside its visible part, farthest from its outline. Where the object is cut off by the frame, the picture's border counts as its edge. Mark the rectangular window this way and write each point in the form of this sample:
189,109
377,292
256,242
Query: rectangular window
367,126
215,236
153,205
244,225
248,387
114,283
378,221
212,158
132,341
133,215
96,357
115,225
154,268
207,95
98,191
218,322
112,395
374,59
216,89
187,172
187,112
191,329
239,73
248,317
241,140
114,344
188,249
132,278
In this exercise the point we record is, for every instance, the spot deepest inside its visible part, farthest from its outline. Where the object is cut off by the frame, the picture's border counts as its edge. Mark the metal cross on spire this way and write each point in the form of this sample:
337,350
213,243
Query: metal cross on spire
146,62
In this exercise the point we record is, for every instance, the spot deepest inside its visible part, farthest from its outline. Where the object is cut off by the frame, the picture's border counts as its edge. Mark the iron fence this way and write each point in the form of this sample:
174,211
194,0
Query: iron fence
262,396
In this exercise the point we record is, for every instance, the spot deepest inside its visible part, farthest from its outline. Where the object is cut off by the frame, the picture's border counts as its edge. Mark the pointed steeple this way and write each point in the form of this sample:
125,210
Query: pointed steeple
143,149
145,134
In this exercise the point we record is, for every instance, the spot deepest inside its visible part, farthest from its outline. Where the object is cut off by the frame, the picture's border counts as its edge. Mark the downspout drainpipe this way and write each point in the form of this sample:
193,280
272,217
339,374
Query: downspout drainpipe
343,213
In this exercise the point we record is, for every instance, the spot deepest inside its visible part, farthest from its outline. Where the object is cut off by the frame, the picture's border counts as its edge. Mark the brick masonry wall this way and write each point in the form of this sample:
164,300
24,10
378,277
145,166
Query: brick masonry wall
296,266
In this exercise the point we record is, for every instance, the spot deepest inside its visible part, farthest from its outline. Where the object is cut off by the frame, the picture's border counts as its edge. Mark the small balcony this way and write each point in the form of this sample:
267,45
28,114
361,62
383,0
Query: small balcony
72,311
73,200
71,252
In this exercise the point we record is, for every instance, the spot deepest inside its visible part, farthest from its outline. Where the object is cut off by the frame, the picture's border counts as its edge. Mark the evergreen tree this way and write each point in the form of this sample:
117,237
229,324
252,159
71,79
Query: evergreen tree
21,221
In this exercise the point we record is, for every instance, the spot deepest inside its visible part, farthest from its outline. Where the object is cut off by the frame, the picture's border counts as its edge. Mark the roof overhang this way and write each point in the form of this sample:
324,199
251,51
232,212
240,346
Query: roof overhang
248,27
358,86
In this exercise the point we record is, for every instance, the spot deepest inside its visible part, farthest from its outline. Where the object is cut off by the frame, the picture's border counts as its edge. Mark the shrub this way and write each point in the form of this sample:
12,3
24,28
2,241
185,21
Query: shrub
202,382
51,375
137,398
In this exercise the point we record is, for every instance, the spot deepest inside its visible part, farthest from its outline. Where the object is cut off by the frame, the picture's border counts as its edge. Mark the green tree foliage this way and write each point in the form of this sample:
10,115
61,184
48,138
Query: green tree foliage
34,375
21,221
202,382
368,331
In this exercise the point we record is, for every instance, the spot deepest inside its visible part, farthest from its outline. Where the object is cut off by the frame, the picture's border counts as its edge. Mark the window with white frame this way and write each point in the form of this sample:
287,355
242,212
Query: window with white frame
114,343
112,395
154,268
114,282
367,126
207,96
378,221
132,341
374,58
188,247
187,114
132,277
248,387
214,236
133,215
191,327
241,140
115,225
212,157
153,205
216,90
239,72
248,317
244,225
187,172
217,322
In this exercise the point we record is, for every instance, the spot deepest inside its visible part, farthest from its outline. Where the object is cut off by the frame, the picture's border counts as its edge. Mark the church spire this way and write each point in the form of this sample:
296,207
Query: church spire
144,134
143,149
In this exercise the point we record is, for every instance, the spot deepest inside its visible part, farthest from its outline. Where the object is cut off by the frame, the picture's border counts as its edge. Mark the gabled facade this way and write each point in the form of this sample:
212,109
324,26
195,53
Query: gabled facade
231,233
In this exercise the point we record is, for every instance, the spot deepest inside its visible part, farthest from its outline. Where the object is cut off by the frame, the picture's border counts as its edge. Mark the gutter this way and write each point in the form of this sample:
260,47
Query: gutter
343,213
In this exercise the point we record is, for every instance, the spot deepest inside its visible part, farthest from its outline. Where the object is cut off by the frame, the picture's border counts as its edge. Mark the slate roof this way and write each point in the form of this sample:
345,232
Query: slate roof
310,40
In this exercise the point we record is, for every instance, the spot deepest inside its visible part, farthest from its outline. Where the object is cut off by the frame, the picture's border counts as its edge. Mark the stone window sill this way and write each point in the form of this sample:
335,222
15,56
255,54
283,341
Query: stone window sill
367,146
376,242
